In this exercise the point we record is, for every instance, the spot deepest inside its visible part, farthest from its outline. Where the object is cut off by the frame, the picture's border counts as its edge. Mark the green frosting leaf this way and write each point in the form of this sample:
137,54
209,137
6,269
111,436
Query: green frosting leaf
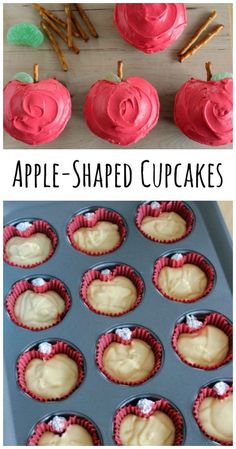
26,34
112,77
24,77
221,76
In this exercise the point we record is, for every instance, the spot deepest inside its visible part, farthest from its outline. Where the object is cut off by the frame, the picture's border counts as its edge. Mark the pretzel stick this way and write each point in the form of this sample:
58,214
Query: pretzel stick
69,25
86,20
55,45
208,67
198,33
201,43
57,30
81,31
120,69
36,73
53,17
74,23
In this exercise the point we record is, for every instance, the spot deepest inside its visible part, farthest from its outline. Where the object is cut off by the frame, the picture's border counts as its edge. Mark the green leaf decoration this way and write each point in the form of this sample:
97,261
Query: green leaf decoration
26,34
221,76
24,77
112,77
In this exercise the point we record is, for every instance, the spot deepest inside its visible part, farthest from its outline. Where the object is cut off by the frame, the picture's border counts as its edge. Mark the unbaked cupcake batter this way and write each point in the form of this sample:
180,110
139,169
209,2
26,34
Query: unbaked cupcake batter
104,236
74,435
186,282
216,417
168,226
28,250
113,296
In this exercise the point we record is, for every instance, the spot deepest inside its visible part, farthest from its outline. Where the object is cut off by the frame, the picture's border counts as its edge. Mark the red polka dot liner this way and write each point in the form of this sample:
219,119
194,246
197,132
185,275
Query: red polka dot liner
161,405
214,319
47,426
118,270
59,347
38,226
137,333
187,258
50,285
150,210
206,392
83,221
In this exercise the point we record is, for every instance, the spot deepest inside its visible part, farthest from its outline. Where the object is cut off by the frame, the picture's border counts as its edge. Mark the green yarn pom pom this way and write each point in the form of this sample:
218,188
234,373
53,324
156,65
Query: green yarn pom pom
221,76
25,34
24,77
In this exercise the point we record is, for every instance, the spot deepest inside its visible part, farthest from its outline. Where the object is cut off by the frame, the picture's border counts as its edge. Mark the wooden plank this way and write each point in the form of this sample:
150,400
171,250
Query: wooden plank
99,57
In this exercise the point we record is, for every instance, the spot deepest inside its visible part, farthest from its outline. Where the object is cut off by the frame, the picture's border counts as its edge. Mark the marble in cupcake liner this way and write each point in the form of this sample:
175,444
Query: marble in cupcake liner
38,226
179,207
190,258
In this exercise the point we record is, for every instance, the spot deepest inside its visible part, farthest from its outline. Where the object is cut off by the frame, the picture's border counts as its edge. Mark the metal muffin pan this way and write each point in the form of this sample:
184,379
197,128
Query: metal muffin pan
97,398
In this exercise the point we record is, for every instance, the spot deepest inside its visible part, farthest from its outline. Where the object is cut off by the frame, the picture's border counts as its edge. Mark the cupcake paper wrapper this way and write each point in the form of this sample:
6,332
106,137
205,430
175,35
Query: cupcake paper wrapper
100,214
138,333
59,347
191,258
204,393
23,285
215,319
118,270
179,207
43,427
37,226
161,405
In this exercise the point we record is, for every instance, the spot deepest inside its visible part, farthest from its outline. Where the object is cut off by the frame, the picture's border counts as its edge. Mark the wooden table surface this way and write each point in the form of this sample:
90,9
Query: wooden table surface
99,57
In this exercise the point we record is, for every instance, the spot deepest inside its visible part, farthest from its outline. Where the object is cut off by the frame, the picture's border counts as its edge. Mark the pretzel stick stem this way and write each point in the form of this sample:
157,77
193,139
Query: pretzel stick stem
208,67
53,17
69,25
86,20
201,43
57,30
36,73
198,33
56,46
120,69
79,28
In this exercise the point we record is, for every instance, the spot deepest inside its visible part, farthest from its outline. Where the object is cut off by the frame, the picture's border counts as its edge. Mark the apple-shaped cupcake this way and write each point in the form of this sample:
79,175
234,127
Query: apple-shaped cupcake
36,113
203,110
150,27
122,111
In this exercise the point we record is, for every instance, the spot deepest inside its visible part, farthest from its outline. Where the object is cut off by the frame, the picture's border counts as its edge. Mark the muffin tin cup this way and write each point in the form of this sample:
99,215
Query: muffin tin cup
138,333
190,258
117,270
38,226
160,405
206,392
60,347
21,286
214,319
43,427
178,207
100,214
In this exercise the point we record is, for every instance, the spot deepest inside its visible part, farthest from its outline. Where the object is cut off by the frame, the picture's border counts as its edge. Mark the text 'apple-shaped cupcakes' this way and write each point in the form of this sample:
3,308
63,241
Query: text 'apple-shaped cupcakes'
121,111
213,411
36,113
203,110
150,27
65,429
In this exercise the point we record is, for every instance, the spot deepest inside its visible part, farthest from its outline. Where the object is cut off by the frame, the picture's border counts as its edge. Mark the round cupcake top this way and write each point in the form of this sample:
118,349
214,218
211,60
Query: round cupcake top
103,236
74,435
30,250
167,226
203,111
150,27
36,113
216,417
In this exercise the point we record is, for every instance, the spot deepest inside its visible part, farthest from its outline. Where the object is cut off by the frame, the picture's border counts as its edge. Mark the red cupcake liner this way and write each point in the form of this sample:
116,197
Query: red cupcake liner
179,207
60,347
100,214
118,270
139,333
204,393
191,258
215,319
43,427
37,226
160,405
23,285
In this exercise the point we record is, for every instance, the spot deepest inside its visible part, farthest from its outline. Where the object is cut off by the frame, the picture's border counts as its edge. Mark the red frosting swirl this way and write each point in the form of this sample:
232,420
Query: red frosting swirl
36,113
150,27
122,112
203,111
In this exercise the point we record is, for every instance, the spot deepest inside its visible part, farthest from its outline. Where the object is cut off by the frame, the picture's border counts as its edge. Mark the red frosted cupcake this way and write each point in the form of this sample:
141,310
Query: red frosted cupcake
213,411
203,341
164,221
51,372
65,430
184,277
38,303
148,422
112,291
28,243
99,231
128,356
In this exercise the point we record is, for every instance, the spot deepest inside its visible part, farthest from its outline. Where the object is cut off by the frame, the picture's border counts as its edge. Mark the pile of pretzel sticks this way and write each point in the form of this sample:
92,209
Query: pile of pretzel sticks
66,29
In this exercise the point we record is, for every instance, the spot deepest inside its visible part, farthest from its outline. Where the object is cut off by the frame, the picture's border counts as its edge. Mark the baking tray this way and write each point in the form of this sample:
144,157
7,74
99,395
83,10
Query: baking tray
98,398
